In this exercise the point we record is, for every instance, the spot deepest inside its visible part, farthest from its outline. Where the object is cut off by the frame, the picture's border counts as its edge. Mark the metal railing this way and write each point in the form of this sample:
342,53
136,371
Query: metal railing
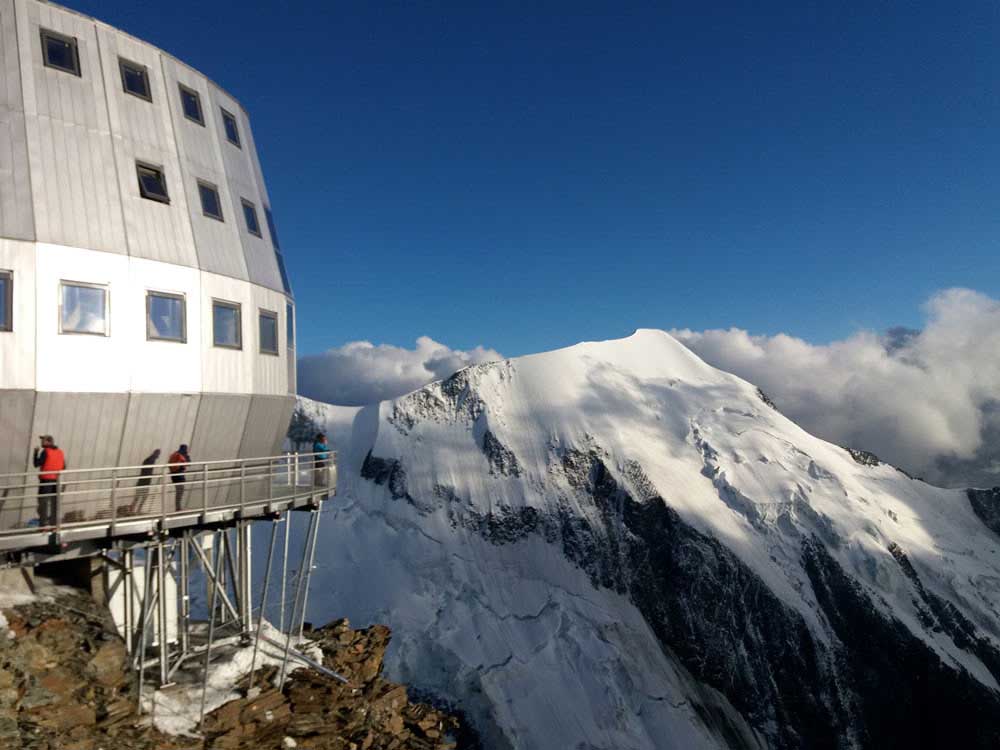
121,494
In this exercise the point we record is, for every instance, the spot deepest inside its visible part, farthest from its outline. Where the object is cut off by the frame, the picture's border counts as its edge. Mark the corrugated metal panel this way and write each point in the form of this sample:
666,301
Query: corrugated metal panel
73,177
16,408
291,364
267,425
16,215
218,243
17,347
218,430
262,266
87,426
143,131
157,420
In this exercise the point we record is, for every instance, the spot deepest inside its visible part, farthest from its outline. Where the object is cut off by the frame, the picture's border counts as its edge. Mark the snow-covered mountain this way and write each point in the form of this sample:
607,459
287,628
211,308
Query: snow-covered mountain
615,545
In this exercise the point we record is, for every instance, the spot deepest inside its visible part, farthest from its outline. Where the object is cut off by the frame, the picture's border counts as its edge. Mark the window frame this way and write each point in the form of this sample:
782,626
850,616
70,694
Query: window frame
141,165
124,63
289,326
218,200
272,315
8,306
226,117
150,293
256,218
106,288
72,41
200,120
238,307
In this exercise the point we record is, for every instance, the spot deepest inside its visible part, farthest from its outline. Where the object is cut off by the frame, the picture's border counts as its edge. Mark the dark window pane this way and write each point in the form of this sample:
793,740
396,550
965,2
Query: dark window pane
191,103
166,317
232,131
226,325
210,203
152,183
271,228
135,79
268,333
84,309
250,214
60,52
290,326
6,301
284,274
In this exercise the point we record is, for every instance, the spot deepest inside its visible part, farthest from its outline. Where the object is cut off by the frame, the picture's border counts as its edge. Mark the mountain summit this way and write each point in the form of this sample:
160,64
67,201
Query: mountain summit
615,545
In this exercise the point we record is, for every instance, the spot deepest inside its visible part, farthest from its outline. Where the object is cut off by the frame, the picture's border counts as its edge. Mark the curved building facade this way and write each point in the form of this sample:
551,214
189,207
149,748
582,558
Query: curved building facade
143,299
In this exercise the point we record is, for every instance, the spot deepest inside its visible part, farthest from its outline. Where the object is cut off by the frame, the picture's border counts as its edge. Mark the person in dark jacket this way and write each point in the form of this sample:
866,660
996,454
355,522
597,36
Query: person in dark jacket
178,462
145,479
50,462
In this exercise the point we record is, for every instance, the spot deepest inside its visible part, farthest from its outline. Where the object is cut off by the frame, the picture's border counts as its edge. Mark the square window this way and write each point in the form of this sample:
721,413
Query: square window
268,332
191,104
290,326
6,301
232,129
250,214
60,52
166,317
83,308
135,79
226,325
210,203
152,183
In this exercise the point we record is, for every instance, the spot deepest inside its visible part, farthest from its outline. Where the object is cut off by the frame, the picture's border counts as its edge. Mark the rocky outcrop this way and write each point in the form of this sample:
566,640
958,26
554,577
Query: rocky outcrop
986,504
65,685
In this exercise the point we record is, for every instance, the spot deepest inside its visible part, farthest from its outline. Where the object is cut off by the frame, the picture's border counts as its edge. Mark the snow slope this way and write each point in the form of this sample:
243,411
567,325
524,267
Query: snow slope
615,545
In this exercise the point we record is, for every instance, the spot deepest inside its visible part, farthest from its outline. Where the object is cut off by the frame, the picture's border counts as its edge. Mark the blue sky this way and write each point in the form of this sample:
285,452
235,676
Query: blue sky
527,175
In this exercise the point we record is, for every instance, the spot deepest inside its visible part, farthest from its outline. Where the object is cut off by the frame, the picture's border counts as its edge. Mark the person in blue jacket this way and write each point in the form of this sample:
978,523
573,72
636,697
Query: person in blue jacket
321,449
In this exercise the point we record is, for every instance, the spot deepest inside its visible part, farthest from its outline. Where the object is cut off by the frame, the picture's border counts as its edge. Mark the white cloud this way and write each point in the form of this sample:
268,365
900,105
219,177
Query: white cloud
361,373
927,401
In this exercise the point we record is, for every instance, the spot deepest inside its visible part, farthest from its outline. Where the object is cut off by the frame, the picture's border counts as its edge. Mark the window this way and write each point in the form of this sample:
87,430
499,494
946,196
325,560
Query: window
166,317
135,79
6,301
152,183
268,332
250,214
271,228
226,325
191,104
290,326
60,52
83,308
232,130
210,203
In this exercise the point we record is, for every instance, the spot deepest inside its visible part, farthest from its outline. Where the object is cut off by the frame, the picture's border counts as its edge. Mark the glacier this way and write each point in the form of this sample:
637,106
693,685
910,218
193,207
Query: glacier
616,545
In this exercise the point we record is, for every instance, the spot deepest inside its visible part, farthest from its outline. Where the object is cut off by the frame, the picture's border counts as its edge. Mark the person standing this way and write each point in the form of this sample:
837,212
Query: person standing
50,462
178,462
321,459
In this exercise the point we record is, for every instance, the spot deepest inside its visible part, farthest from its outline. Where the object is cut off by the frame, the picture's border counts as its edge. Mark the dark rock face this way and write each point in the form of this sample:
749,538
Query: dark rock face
986,504
905,696
386,471
877,686
865,458
502,460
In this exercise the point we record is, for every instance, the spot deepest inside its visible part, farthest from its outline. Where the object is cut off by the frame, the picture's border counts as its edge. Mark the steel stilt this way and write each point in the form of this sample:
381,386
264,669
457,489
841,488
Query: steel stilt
208,649
295,604
263,601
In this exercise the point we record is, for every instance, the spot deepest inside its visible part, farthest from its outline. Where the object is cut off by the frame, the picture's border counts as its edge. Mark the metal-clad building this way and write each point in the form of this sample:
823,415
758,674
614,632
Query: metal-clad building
143,299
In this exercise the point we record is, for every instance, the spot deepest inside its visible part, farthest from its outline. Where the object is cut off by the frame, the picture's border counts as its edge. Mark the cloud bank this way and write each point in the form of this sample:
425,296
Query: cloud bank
927,401
361,373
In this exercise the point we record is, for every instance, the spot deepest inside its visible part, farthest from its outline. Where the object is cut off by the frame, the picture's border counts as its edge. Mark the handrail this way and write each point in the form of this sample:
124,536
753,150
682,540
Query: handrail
118,494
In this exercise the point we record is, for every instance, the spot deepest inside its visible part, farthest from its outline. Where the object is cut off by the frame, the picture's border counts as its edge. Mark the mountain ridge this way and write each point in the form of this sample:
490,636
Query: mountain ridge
583,451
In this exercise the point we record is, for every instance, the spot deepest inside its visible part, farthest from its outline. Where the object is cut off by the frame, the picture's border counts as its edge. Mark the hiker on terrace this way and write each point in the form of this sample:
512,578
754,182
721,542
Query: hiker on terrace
178,462
50,462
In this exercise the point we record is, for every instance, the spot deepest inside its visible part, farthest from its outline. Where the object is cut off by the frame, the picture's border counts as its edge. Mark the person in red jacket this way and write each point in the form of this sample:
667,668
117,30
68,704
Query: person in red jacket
177,465
50,462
